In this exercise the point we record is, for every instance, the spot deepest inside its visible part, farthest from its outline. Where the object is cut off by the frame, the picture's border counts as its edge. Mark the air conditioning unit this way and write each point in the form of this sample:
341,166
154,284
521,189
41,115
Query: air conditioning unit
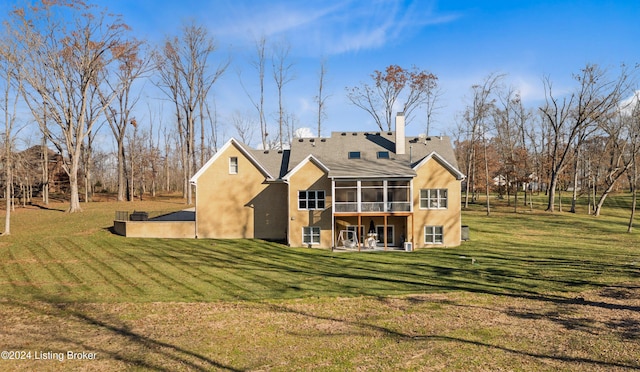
408,246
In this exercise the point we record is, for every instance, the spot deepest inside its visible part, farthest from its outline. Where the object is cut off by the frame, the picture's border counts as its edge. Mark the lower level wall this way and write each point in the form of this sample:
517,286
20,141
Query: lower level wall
155,229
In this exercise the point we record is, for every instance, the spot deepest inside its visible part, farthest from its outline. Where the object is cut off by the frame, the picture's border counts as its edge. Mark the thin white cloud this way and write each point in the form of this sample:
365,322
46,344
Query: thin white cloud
627,105
303,132
331,27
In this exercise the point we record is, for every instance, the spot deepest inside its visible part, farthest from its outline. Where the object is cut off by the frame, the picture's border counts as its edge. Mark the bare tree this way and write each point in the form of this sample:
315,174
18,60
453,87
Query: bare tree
572,118
475,118
634,135
258,102
212,115
432,104
244,127
134,151
622,149
186,78
10,96
61,59
153,152
282,75
45,158
321,98
380,100
132,66
507,138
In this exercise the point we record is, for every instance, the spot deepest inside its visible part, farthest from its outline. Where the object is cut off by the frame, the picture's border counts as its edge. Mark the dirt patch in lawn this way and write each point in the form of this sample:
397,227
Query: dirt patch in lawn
595,330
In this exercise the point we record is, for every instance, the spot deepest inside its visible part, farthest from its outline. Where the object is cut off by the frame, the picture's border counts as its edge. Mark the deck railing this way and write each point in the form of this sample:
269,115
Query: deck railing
349,207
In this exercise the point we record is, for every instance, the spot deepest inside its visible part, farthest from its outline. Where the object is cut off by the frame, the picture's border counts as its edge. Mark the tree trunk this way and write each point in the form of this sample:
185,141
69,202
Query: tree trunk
45,171
515,199
469,178
604,195
574,196
633,183
486,173
8,194
552,191
122,183
88,184
74,203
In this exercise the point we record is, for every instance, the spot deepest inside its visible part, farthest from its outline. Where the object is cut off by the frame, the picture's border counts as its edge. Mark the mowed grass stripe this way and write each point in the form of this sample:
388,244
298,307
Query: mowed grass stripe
103,266
58,265
91,271
153,276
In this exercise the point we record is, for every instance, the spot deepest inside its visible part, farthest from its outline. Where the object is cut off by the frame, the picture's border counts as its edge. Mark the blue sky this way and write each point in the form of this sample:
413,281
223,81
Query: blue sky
459,41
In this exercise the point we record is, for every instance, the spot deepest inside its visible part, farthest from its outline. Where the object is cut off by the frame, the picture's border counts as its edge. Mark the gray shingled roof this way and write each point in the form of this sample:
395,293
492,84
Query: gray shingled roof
272,161
333,153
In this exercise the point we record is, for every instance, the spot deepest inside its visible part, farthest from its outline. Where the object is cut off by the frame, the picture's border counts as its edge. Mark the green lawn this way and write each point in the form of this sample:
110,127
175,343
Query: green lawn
547,291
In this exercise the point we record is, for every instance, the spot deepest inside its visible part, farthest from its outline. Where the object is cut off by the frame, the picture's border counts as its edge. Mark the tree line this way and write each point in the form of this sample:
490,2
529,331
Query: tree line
78,70
585,141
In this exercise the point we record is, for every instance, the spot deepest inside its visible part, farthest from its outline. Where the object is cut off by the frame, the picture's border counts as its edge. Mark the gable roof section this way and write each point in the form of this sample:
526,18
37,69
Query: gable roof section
309,158
242,148
434,155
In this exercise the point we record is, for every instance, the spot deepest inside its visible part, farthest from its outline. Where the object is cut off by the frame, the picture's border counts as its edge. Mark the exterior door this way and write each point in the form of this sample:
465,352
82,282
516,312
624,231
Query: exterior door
382,236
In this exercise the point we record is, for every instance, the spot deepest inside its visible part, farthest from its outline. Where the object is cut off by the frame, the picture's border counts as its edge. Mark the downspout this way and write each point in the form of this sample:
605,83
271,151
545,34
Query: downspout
195,214
333,217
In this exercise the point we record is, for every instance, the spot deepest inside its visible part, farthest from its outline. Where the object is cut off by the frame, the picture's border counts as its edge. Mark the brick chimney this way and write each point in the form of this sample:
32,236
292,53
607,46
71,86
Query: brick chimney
400,140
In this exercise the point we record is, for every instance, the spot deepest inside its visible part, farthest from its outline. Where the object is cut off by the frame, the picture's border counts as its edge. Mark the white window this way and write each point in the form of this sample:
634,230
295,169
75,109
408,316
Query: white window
433,198
233,165
433,234
311,235
311,199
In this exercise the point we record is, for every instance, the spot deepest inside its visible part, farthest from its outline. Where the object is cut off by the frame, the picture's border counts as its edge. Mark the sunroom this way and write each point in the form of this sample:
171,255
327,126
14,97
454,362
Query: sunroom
371,214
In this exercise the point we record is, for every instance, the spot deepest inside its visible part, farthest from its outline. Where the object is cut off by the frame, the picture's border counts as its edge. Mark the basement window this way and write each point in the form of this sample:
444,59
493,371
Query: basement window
354,154
311,235
433,234
383,154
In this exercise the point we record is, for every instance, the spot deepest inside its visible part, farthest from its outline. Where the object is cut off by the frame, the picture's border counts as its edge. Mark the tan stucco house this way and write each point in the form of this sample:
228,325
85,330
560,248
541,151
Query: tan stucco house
355,189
